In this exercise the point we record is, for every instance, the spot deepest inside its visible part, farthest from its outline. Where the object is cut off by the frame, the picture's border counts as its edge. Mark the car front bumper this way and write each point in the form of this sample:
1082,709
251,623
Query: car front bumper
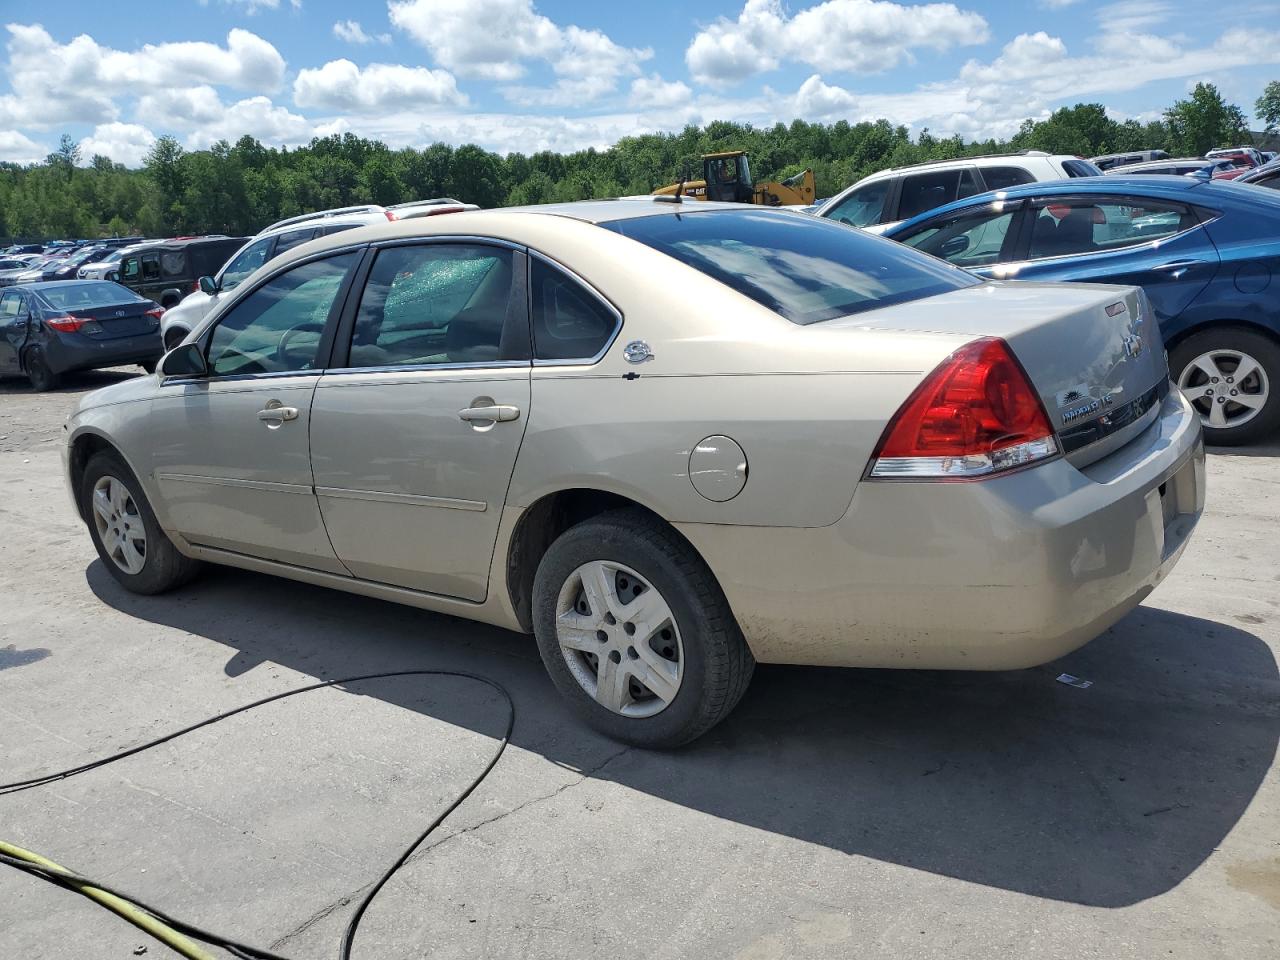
987,575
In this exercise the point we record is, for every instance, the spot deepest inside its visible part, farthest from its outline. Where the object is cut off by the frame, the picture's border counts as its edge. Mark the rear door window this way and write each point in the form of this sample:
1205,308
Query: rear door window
1001,178
437,304
864,207
569,322
922,192
805,269
294,238
150,267
1083,225
974,238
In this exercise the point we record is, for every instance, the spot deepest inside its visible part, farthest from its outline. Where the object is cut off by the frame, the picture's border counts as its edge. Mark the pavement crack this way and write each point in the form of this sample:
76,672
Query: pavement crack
319,915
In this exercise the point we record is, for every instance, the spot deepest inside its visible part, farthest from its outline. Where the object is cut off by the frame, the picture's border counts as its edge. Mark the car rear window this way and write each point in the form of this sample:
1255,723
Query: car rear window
1080,168
81,296
804,268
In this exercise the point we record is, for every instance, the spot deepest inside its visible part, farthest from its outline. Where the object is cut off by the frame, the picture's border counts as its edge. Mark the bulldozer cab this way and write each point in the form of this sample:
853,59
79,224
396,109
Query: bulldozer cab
728,177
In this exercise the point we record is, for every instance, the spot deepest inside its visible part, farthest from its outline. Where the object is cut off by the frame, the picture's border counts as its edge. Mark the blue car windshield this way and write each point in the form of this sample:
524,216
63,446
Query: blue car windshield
804,268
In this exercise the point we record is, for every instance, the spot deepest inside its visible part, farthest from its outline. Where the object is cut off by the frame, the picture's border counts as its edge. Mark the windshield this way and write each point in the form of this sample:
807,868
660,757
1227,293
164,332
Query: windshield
804,268
85,296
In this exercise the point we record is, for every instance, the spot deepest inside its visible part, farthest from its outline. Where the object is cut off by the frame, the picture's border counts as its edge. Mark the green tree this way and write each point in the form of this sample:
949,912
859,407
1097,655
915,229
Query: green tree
1267,106
1204,121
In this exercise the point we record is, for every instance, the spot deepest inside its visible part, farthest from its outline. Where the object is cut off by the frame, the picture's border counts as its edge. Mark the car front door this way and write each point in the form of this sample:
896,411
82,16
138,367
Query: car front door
976,238
415,429
230,450
13,332
1158,245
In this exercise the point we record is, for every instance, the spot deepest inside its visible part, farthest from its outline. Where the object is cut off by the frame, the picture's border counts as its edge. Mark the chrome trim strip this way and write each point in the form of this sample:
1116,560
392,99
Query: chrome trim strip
445,238
380,496
604,301
428,367
268,486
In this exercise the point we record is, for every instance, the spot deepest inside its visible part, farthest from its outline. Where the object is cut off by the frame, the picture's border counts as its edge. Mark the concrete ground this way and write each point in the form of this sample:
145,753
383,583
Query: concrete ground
836,814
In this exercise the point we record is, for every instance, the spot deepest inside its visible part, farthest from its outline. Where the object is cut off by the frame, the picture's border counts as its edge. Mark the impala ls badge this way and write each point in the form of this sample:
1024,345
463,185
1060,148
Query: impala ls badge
637,351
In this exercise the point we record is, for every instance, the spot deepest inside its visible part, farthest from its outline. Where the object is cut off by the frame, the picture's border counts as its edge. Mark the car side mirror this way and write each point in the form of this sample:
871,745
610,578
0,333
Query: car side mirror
955,246
184,360
208,286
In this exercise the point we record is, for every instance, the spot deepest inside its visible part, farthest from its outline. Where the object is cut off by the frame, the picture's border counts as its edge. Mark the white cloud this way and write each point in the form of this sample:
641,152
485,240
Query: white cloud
494,39
352,32
258,117
863,36
654,93
253,6
126,143
17,147
61,83
1127,16
180,107
341,85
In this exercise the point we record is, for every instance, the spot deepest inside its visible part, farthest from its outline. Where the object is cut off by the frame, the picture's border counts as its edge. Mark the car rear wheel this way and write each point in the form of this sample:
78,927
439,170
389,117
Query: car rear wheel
38,372
1232,378
636,633
174,336
125,531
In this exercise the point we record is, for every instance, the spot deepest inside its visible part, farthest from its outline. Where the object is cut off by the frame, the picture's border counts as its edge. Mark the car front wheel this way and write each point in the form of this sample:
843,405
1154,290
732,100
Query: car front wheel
125,531
636,633
1232,378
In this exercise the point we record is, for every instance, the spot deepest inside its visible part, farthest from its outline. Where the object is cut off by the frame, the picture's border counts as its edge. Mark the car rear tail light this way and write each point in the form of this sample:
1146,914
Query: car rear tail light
975,415
65,324
390,214
156,312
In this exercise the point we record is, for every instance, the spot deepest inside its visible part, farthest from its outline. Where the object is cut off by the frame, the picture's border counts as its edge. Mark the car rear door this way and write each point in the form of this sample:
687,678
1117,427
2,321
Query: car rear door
13,331
230,451
1159,245
416,427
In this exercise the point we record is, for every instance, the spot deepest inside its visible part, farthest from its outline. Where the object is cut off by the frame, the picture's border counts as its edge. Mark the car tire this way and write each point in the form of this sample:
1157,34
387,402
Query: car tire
174,336
38,372
700,655
1220,352
125,532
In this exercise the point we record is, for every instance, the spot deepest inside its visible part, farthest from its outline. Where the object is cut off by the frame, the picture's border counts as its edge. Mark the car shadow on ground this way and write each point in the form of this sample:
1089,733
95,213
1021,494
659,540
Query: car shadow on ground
1103,796
81,381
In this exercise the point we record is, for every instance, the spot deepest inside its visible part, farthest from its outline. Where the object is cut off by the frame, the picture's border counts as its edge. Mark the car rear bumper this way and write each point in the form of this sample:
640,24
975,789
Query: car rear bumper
989,575
76,352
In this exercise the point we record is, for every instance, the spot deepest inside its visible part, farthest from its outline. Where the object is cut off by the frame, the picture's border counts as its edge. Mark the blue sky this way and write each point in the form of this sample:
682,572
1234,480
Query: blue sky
558,74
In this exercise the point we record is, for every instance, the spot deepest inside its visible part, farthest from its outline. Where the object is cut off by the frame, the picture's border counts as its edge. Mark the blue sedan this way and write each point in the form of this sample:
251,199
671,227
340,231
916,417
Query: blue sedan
1207,253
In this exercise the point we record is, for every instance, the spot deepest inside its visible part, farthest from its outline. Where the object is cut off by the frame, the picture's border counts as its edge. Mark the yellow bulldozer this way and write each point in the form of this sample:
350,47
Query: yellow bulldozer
727,177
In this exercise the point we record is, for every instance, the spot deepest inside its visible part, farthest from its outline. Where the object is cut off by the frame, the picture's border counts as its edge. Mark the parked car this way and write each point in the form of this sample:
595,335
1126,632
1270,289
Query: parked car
167,270
893,195
98,269
668,442
1175,167
1267,175
1241,156
1202,250
48,329
283,236
1112,161
25,248
65,268
11,268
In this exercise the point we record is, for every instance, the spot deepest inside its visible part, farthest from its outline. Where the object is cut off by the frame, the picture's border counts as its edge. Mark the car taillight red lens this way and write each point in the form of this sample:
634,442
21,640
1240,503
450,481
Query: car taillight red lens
64,324
975,415
156,312
390,215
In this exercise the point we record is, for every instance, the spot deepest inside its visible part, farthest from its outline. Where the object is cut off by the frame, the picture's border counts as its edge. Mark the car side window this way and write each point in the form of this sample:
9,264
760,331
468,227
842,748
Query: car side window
130,270
569,322
10,307
245,262
150,266
439,303
278,327
970,239
1081,226
173,263
1001,178
865,206
294,238
922,192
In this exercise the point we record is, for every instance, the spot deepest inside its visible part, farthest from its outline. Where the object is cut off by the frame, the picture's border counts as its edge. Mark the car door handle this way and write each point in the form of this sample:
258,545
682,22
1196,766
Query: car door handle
498,412
1177,268
277,414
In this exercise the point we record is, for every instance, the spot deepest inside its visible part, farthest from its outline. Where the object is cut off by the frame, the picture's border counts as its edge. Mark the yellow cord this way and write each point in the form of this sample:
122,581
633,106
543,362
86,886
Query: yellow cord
138,917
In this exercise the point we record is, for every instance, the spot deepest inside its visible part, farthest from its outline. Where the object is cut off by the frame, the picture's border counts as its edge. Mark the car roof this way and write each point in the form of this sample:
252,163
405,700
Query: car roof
622,208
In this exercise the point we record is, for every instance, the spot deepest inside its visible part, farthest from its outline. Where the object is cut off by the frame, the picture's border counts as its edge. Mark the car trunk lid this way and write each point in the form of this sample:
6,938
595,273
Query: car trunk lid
115,320
1093,352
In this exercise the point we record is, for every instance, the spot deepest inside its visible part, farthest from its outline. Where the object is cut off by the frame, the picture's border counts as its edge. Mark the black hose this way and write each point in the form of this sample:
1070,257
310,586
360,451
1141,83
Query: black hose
61,879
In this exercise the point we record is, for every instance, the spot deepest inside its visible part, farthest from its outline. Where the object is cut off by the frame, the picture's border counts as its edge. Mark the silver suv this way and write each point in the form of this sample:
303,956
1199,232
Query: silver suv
889,196
280,237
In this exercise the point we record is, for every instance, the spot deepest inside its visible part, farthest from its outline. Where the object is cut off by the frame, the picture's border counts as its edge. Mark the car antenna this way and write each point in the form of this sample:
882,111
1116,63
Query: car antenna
679,194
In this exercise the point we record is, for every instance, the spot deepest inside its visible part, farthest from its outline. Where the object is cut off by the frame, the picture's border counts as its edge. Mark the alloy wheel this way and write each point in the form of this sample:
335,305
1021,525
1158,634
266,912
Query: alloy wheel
1228,388
119,524
620,639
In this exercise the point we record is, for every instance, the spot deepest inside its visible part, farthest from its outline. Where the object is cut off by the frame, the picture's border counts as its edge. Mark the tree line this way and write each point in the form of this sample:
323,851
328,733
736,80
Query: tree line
238,188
